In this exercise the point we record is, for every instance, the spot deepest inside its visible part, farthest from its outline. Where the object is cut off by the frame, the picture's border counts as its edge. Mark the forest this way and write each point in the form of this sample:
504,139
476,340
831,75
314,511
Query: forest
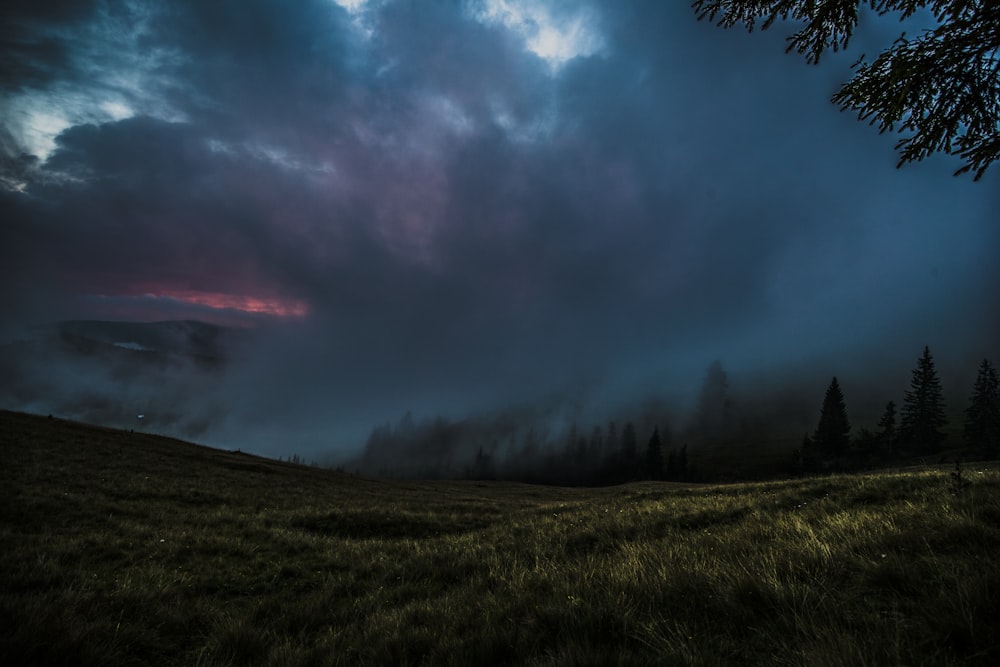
718,442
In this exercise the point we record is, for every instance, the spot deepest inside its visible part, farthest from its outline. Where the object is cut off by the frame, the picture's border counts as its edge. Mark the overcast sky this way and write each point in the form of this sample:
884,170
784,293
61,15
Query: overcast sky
451,205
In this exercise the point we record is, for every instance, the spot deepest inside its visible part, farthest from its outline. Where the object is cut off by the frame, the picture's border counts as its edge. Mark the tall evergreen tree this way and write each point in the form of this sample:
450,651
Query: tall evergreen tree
654,456
832,435
923,414
887,428
982,418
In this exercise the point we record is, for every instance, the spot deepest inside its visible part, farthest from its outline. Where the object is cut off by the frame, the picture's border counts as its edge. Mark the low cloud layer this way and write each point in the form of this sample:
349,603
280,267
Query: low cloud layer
452,207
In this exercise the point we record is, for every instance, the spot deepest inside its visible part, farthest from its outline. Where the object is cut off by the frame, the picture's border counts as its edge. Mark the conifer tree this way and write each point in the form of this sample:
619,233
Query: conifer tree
887,428
654,456
832,435
923,414
982,418
807,457
940,88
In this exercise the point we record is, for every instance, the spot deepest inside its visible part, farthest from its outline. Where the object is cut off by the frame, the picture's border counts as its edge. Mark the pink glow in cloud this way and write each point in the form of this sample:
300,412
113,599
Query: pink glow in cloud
247,304
150,304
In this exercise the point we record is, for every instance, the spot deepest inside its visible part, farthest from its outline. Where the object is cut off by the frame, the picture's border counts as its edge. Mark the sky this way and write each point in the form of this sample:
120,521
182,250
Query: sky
451,206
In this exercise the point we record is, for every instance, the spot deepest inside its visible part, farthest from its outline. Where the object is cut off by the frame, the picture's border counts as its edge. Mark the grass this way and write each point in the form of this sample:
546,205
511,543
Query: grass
121,549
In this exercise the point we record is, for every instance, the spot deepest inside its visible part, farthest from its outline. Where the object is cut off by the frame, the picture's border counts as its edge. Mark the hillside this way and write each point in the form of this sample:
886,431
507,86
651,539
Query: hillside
123,548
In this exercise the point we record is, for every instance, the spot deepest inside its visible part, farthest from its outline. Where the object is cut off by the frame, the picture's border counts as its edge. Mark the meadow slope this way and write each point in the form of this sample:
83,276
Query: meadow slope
121,548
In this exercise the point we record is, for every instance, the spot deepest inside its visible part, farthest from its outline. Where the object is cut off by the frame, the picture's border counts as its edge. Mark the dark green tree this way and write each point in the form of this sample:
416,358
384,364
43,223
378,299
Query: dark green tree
923,414
940,89
982,417
832,436
654,456
887,428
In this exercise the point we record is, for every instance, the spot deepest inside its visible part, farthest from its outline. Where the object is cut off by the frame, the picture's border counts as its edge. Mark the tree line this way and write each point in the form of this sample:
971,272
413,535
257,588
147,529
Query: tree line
914,431
540,448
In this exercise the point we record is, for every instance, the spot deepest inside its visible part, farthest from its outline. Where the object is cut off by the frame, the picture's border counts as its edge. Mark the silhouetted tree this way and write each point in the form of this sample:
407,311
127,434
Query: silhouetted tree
682,462
714,416
941,88
866,446
482,467
982,417
807,457
654,456
923,414
887,428
832,435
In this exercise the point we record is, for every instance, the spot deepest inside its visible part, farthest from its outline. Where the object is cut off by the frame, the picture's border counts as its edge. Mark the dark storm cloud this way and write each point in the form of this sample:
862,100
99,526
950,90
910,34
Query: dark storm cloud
469,222
33,39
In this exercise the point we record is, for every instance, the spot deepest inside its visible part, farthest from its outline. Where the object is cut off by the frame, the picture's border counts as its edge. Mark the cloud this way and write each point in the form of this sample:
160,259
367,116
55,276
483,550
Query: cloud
477,203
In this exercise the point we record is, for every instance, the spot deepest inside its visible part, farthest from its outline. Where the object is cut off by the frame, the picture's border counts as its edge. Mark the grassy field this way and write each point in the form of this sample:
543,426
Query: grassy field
125,549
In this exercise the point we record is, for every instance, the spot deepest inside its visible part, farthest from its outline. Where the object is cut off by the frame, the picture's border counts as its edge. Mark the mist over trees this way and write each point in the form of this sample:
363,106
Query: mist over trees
714,417
717,441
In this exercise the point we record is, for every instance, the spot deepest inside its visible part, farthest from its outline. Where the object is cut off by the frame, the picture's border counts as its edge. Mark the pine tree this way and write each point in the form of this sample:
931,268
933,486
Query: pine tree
923,414
887,428
939,87
654,456
832,435
982,418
